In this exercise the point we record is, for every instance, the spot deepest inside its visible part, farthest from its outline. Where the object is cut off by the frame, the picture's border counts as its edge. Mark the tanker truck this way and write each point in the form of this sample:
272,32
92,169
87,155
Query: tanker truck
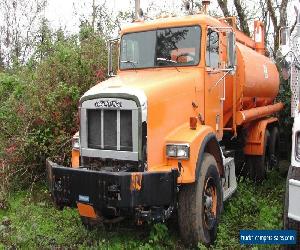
191,101
289,55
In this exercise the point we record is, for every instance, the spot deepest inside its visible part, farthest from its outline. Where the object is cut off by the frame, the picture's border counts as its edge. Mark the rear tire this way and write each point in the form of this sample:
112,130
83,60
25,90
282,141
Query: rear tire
200,205
274,148
287,222
258,165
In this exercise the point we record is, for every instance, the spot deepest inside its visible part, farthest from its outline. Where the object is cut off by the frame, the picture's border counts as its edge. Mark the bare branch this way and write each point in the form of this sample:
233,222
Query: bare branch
242,17
271,10
224,7
283,13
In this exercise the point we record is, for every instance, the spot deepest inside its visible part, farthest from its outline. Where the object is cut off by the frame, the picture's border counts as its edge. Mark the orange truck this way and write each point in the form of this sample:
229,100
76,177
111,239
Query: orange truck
191,105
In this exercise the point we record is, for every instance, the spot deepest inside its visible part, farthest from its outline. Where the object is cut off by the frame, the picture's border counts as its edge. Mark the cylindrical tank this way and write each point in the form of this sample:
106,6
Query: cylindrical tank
257,81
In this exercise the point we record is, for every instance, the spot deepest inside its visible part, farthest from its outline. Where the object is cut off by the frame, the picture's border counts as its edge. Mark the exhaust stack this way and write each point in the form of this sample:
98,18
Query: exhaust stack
205,4
137,9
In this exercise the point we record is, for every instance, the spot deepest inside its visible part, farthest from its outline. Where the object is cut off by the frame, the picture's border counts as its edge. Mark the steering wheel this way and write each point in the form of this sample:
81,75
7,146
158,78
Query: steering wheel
187,55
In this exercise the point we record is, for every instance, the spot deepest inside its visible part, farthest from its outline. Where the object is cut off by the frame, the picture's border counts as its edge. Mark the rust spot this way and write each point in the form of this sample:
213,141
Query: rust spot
136,182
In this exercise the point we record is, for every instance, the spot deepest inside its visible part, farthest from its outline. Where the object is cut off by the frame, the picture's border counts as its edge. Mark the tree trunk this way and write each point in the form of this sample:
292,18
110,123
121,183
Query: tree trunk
224,8
242,17
277,24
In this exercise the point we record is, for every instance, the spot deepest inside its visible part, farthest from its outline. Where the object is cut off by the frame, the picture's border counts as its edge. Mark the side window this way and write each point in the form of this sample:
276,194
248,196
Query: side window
130,50
212,49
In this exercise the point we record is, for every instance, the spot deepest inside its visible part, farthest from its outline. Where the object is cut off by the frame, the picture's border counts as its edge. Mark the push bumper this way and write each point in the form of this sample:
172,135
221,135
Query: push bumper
294,194
117,192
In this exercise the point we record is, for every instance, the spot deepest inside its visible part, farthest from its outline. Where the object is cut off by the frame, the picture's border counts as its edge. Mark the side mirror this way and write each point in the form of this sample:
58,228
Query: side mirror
113,46
231,50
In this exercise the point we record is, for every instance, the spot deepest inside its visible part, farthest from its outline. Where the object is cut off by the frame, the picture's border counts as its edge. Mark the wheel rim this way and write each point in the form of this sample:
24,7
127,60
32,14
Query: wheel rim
210,203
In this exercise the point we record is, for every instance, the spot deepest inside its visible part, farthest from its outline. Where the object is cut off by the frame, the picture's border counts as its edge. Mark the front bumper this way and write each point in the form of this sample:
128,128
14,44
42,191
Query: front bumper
117,192
294,194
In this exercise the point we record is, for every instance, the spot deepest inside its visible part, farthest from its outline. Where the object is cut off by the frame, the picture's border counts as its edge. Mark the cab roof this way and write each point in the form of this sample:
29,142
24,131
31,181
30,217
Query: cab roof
168,22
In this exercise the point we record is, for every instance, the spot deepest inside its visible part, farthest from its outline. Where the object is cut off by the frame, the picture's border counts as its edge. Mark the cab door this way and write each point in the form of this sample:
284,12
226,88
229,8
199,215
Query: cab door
214,81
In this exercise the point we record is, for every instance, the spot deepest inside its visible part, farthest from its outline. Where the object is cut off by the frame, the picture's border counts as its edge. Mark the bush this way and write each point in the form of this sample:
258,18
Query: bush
39,101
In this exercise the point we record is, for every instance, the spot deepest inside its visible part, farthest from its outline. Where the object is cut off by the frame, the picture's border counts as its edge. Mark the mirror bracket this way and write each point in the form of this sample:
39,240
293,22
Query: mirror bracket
231,47
111,43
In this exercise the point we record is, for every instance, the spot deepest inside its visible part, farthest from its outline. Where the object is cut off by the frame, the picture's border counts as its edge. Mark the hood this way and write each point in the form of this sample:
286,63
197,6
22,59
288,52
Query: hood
166,97
147,85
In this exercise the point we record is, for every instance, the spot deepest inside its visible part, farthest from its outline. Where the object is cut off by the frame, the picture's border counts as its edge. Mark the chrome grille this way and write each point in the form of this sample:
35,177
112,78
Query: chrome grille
110,129
110,132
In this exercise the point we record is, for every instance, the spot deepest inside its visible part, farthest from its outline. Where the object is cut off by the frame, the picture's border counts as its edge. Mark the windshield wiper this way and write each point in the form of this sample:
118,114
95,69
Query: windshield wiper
131,62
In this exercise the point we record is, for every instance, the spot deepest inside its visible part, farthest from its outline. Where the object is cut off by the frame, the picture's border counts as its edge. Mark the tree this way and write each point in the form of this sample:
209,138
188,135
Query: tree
101,19
43,40
272,13
278,20
224,7
18,26
242,17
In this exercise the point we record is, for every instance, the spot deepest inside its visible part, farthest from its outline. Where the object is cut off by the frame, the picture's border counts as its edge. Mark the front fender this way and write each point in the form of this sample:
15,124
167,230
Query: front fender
200,140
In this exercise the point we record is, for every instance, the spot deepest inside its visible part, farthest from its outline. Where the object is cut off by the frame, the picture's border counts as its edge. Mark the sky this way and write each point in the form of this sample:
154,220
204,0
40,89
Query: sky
66,13
61,13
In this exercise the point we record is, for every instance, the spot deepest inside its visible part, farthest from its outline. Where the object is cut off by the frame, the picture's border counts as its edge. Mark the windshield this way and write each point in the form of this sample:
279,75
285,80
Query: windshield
160,48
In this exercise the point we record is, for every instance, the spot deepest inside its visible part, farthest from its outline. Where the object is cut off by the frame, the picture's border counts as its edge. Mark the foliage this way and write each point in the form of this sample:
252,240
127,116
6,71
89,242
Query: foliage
39,94
286,121
39,102
39,225
31,221
248,211
19,21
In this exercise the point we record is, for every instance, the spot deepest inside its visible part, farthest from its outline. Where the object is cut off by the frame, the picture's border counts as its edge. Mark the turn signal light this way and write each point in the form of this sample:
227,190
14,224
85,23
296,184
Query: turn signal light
193,123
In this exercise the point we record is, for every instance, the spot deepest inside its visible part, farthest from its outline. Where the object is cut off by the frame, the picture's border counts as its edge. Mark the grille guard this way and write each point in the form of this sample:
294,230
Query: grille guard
119,190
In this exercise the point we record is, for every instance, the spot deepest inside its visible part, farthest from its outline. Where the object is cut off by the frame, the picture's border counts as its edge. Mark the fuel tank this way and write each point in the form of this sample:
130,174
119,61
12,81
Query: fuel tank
257,82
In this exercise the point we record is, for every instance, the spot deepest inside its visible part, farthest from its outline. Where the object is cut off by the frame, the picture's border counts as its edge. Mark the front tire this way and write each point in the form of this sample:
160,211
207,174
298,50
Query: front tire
200,205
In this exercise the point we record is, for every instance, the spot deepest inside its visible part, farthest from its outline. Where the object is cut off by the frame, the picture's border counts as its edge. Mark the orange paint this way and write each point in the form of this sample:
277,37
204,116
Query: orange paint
256,136
252,114
172,91
86,210
257,83
75,158
194,138
259,37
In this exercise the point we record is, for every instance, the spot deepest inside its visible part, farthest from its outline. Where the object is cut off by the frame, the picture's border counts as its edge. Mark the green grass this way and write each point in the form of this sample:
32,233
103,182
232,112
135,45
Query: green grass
252,207
31,221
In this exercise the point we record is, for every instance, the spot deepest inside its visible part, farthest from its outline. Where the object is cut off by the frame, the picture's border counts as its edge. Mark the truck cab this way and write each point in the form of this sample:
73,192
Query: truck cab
165,132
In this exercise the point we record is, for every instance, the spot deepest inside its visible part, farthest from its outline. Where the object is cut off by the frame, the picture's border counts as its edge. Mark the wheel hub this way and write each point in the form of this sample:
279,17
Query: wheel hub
210,203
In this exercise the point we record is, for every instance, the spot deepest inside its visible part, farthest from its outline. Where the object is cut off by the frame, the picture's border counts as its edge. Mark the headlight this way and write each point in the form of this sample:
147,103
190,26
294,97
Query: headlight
75,142
297,146
181,151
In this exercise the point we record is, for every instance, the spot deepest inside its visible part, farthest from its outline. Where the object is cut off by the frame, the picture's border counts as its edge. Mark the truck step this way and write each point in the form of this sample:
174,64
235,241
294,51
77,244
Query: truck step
229,152
229,182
